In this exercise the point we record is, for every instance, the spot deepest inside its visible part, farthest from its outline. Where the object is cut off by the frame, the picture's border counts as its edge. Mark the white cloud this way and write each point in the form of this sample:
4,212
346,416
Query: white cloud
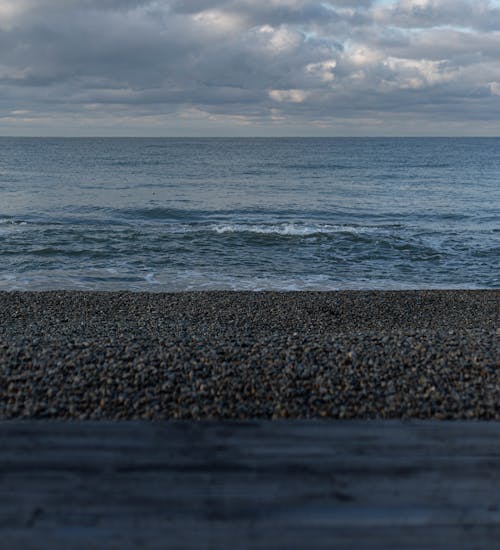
363,56
417,74
495,88
10,10
280,40
218,21
323,70
291,96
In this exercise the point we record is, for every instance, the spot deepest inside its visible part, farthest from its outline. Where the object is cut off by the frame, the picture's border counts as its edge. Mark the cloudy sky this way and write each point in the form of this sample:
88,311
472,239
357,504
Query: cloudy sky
249,67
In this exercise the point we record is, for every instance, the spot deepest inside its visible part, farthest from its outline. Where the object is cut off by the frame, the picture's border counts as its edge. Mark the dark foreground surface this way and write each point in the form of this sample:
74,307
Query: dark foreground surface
285,484
419,354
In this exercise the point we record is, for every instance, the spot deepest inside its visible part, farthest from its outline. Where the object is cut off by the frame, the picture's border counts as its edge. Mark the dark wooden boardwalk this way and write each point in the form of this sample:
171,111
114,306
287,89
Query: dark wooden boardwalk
300,484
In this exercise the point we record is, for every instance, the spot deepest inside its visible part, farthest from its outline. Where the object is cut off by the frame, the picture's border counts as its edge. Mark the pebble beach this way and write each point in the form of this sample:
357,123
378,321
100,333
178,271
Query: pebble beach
250,355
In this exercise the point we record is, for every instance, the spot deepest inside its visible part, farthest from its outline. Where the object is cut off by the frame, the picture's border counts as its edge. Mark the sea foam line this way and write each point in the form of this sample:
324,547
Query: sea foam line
291,229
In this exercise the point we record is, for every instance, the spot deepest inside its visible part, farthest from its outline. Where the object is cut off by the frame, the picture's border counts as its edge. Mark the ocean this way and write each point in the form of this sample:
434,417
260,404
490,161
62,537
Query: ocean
249,214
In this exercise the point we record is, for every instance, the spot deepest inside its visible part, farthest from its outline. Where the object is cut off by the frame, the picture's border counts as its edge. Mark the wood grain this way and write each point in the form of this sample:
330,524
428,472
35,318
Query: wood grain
295,484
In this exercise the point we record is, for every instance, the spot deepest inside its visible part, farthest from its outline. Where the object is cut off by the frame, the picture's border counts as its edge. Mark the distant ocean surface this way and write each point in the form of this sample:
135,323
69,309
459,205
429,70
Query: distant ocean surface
252,214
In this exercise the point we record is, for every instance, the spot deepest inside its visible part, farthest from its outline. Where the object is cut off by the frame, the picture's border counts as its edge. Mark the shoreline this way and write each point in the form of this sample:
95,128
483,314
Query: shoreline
250,355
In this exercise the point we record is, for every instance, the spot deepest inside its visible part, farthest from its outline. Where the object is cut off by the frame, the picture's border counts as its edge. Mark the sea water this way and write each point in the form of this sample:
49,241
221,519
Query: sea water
252,214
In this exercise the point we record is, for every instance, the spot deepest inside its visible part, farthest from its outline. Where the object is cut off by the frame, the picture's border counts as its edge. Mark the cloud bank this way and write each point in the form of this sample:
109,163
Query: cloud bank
247,67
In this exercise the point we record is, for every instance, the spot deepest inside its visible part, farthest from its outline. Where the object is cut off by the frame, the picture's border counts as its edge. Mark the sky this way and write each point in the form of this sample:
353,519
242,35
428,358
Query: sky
249,67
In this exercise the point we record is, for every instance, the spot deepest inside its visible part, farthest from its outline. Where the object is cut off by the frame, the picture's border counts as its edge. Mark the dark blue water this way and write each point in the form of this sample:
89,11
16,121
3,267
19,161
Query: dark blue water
176,214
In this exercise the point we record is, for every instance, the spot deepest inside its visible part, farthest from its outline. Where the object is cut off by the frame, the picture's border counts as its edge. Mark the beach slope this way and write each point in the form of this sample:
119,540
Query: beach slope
241,355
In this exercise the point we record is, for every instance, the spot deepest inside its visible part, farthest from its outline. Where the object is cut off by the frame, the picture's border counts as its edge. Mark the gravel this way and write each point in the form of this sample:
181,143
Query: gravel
239,355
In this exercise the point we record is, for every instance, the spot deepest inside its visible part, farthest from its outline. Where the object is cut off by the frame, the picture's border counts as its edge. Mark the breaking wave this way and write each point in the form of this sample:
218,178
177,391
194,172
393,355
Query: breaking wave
293,229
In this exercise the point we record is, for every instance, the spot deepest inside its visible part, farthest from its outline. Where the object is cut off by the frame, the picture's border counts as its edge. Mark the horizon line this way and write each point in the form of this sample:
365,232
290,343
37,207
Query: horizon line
250,137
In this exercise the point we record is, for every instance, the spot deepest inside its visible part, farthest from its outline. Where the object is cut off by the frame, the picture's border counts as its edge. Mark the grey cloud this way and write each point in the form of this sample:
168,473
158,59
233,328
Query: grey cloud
476,14
271,65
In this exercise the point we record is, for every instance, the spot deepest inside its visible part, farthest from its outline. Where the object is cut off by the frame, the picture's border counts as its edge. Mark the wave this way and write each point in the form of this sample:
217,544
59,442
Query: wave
12,221
292,229
8,225
317,166
285,229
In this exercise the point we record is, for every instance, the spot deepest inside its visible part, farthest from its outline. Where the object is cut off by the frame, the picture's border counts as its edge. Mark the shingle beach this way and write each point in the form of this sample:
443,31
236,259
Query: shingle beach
241,355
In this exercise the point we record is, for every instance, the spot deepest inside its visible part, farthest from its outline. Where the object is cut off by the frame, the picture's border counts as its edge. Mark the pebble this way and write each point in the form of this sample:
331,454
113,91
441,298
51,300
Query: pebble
241,355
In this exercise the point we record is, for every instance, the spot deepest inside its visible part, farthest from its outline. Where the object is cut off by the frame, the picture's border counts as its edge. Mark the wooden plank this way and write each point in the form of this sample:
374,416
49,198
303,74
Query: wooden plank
352,484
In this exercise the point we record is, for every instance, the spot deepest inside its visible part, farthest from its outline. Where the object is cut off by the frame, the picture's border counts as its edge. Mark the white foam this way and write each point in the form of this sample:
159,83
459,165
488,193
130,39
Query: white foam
7,221
290,229
8,226
150,278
